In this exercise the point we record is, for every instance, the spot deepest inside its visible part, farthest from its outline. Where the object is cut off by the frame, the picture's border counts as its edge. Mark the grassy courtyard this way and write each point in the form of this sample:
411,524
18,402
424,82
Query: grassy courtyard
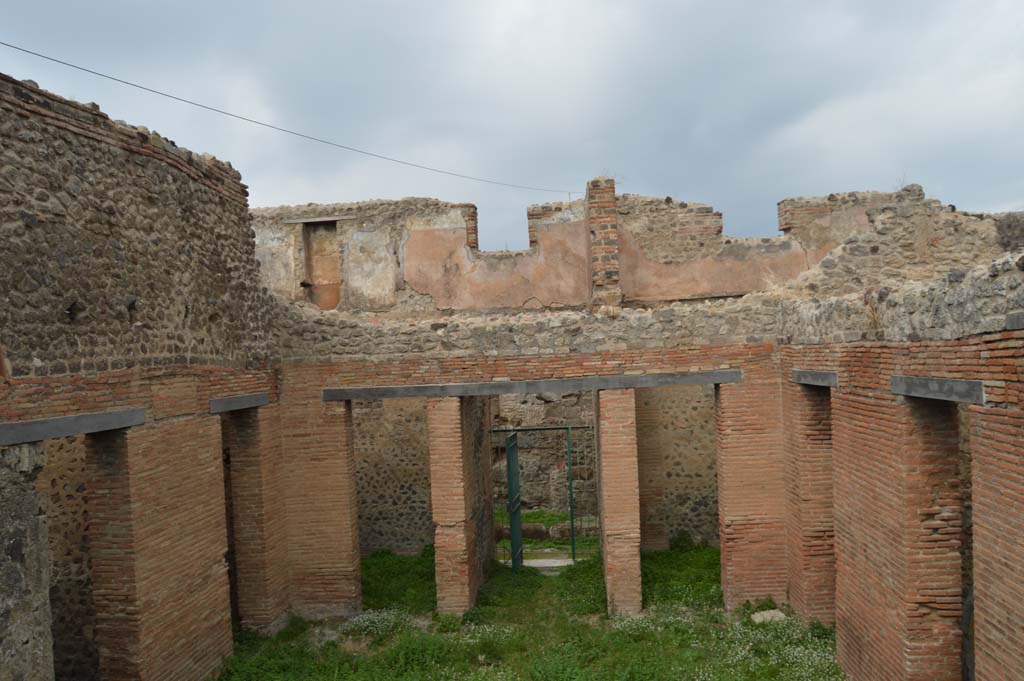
528,626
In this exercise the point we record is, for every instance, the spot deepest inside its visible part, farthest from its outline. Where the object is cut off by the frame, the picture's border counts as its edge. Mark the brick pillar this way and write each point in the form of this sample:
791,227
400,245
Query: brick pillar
472,233
323,518
258,525
458,504
603,222
619,499
932,525
651,450
997,444
113,557
751,492
26,646
809,522
897,538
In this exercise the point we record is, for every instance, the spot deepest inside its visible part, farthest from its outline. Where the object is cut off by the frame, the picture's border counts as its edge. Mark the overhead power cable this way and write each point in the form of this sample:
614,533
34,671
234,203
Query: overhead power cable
303,135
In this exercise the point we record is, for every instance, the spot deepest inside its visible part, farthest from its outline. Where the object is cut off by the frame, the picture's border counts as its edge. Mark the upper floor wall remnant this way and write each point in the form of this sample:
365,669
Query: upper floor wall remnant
419,256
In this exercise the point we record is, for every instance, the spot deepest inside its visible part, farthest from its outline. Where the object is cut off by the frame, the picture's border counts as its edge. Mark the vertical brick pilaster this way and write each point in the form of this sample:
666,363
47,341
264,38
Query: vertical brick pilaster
751,491
809,520
112,556
177,522
456,571
619,499
603,222
897,541
472,229
997,442
323,518
258,526
932,530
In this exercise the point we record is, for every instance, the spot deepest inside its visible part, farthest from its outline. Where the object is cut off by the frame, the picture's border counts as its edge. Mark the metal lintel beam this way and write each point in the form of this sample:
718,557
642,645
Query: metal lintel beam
948,389
828,379
616,382
219,405
20,432
326,218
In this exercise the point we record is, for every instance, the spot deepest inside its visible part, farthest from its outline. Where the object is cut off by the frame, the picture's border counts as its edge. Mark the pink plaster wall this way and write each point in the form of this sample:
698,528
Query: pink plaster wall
746,269
555,273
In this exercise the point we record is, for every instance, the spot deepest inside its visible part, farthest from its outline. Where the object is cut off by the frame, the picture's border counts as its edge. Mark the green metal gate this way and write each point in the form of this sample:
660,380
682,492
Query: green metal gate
515,511
579,466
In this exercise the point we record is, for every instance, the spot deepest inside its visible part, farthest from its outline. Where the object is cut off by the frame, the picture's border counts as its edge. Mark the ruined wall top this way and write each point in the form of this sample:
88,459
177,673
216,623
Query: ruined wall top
120,249
420,257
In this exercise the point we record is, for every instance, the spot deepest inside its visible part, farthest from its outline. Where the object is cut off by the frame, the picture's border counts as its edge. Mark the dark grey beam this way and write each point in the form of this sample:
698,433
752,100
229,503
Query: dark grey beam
219,405
566,385
948,389
828,379
1015,321
325,218
20,432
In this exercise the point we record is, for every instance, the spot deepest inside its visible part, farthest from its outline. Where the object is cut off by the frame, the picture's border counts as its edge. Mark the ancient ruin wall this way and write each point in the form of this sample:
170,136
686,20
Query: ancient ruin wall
25,641
130,281
64,485
476,452
675,428
120,249
416,255
544,482
393,475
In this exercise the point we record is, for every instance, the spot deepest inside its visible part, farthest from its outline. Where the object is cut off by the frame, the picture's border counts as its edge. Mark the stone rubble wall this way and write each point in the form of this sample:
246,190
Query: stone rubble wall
393,475
544,482
63,485
939,309
26,646
676,428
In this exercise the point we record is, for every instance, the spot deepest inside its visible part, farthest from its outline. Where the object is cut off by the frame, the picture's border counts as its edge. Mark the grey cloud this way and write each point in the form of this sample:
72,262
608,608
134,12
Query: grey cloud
736,104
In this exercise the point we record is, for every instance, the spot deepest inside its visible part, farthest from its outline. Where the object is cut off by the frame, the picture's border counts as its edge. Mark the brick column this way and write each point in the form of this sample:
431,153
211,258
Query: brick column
258,525
603,221
809,522
323,518
459,515
751,492
619,499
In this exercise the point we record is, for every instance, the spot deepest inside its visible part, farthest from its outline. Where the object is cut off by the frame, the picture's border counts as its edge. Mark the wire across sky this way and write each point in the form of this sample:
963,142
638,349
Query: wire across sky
287,131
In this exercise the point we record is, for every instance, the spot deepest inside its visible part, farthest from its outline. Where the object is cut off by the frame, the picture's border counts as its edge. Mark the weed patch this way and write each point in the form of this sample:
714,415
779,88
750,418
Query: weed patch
528,627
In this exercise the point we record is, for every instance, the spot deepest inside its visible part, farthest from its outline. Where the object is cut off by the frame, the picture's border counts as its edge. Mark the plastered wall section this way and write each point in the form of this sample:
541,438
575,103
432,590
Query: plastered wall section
415,255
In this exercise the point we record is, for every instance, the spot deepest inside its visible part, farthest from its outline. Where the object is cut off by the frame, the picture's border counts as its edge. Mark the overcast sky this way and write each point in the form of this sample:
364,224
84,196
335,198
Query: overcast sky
736,104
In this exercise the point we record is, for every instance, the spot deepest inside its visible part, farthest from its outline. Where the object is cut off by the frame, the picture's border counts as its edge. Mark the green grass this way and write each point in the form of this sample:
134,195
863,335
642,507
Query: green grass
535,628
538,516
402,582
